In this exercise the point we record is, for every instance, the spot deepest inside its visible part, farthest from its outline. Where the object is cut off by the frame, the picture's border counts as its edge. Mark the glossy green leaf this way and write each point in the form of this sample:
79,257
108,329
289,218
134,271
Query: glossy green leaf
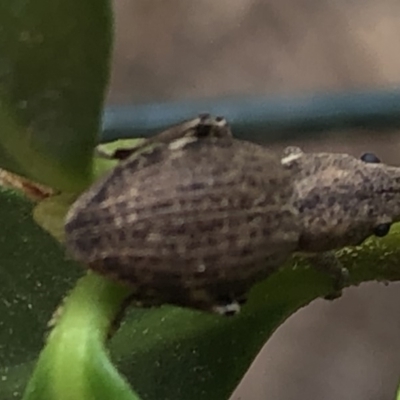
54,59
34,277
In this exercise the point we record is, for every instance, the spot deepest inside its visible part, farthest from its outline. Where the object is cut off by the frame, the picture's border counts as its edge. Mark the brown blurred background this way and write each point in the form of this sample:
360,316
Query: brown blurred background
177,49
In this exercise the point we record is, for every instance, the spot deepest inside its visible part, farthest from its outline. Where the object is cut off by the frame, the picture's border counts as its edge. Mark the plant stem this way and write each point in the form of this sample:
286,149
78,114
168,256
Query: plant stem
74,363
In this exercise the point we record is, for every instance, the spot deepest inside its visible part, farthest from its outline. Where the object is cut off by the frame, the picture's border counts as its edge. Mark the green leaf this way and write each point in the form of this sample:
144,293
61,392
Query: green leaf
34,276
54,64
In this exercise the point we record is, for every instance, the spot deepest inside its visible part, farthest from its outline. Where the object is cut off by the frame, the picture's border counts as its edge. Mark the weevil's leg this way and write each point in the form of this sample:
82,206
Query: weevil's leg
328,263
201,299
228,310
204,125
229,305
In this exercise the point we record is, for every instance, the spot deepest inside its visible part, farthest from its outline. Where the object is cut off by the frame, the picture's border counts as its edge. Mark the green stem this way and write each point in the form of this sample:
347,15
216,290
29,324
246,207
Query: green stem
74,364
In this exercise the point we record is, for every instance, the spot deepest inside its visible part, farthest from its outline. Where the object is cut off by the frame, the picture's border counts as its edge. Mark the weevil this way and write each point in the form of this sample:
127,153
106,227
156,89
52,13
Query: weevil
195,217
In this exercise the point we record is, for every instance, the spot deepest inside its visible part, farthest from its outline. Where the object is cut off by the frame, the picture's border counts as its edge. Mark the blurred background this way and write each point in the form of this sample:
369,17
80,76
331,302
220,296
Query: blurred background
179,49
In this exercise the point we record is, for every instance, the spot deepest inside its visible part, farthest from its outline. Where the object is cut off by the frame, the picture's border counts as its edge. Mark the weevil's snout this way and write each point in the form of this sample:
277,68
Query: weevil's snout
343,200
384,182
387,187
228,310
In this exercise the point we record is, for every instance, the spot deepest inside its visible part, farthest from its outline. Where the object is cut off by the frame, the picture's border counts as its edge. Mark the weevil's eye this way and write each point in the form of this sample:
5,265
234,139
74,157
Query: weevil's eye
370,158
382,230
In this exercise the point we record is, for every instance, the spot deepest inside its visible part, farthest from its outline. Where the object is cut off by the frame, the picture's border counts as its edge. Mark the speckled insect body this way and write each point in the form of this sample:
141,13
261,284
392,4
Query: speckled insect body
198,217
192,222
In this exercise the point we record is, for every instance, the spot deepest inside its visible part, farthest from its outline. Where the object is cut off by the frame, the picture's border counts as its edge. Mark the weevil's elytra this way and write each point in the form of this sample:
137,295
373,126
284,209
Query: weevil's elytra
194,225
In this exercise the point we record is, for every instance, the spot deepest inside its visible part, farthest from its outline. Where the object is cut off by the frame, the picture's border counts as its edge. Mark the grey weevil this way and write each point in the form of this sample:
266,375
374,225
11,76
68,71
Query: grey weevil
195,217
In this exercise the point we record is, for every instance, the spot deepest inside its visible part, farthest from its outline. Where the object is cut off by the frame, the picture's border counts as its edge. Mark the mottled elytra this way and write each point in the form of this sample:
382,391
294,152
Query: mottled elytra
193,220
